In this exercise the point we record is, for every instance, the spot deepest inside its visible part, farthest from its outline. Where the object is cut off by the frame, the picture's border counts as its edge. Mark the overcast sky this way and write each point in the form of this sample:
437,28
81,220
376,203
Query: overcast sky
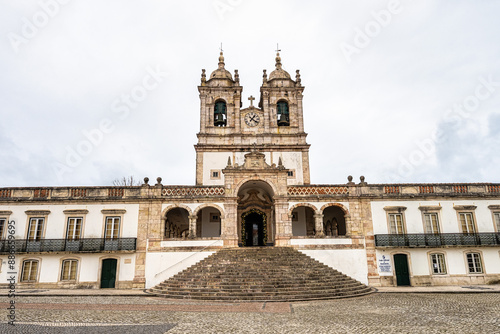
401,91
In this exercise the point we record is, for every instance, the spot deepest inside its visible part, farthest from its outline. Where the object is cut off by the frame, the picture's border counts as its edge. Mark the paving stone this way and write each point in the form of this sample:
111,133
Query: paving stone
375,313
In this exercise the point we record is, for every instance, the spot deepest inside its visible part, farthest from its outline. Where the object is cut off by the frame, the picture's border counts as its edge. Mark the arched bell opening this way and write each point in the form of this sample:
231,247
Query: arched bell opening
220,113
283,113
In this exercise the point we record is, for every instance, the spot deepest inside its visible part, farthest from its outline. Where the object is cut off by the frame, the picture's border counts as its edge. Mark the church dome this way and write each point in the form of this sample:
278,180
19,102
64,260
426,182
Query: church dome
279,72
221,72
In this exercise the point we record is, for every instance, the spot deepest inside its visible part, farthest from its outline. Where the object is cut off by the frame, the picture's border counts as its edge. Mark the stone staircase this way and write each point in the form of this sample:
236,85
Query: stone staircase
259,274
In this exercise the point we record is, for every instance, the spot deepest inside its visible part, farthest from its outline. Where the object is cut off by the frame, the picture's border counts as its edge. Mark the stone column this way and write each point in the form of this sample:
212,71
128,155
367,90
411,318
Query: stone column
318,225
192,226
229,225
283,222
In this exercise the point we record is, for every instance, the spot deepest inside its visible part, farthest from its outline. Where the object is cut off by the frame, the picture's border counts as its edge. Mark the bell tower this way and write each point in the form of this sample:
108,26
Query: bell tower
275,127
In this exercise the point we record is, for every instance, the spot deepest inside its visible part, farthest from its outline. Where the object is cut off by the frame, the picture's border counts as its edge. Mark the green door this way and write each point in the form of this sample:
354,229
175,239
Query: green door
401,268
108,274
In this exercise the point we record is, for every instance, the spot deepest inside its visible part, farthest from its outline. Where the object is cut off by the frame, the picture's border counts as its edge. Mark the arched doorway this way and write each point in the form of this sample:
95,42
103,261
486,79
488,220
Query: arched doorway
176,223
208,223
256,214
303,222
253,228
334,221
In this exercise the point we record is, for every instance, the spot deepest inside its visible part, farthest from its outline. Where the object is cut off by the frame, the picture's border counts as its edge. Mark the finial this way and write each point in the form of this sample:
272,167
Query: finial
229,162
264,78
297,78
146,181
221,60
254,147
158,180
203,77
278,58
280,163
349,179
236,76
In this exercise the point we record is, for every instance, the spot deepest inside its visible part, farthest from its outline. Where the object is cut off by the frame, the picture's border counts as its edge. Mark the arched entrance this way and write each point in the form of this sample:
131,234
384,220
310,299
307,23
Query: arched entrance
256,214
253,228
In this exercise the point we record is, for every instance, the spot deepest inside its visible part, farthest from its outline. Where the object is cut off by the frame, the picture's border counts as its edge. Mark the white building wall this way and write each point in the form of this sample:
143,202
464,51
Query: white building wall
50,265
449,222
350,262
168,264
55,224
218,161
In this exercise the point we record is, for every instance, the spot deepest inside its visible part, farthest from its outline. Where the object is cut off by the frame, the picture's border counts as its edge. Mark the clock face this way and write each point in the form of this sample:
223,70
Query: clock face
252,119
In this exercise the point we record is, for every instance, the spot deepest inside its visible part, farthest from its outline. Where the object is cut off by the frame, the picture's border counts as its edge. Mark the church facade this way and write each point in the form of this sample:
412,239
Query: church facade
252,190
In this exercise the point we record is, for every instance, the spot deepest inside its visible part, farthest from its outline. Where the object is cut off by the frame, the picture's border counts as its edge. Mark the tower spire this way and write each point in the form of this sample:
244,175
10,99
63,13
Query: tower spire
278,58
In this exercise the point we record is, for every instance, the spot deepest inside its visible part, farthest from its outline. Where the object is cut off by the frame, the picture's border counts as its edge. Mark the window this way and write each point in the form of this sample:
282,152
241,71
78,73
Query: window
3,222
496,217
438,264
68,272
74,229
467,222
35,229
112,230
30,270
290,173
220,116
431,223
215,174
283,113
214,217
474,263
396,223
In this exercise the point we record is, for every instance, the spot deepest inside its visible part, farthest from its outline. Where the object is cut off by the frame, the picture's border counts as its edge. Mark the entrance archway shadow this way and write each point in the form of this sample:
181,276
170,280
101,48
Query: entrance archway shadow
253,228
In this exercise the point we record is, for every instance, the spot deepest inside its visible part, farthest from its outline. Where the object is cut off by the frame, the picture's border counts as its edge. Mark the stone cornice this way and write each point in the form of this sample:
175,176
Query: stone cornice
113,211
76,212
464,207
136,194
430,208
37,212
395,208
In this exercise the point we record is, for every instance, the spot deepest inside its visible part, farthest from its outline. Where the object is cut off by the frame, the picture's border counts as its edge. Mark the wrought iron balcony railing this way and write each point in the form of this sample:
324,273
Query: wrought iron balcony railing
90,245
437,240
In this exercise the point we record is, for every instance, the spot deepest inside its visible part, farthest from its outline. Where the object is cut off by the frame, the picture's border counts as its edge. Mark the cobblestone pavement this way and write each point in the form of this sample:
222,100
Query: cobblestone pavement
376,313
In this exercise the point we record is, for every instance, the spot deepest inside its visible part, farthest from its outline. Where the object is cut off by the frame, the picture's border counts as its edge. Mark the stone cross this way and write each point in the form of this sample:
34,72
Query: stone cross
251,98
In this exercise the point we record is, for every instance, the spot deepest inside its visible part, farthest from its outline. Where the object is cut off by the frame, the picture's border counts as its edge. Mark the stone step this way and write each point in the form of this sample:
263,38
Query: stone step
267,290
256,274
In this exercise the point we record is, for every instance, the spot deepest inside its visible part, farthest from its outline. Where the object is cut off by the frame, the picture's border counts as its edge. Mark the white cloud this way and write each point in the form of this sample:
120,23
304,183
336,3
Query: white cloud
361,117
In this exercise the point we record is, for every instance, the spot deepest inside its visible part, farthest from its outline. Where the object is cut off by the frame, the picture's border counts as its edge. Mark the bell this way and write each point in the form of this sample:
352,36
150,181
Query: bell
283,120
219,120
